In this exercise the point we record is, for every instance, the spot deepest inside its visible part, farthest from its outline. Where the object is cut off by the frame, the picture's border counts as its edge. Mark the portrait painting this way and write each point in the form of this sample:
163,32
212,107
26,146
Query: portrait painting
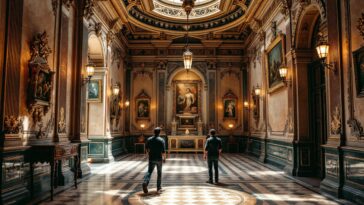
229,108
143,106
358,57
94,91
275,58
186,98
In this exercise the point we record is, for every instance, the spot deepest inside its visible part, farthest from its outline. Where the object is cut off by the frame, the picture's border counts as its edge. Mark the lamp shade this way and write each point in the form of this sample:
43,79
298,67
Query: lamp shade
257,91
187,59
90,69
322,50
115,89
246,104
283,70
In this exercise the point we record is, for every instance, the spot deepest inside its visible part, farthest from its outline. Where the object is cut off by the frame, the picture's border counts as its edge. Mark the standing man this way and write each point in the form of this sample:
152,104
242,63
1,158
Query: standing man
212,151
156,150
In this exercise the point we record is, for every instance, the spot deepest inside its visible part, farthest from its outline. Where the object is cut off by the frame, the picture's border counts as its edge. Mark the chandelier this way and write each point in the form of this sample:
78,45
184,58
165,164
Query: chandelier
187,5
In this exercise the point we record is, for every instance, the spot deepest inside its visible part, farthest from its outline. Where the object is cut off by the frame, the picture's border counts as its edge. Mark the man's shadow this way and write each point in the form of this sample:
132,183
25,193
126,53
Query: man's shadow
150,194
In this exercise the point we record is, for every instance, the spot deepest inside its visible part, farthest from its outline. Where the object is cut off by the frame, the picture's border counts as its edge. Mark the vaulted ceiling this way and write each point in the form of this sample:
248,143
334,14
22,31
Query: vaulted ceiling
166,20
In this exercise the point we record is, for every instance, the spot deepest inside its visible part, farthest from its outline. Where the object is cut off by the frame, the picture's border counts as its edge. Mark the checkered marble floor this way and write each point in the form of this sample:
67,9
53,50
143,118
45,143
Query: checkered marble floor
243,181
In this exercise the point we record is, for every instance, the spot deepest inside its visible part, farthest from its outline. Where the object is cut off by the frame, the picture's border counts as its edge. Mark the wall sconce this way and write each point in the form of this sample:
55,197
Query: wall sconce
322,50
283,72
230,126
90,70
127,103
116,89
246,104
257,90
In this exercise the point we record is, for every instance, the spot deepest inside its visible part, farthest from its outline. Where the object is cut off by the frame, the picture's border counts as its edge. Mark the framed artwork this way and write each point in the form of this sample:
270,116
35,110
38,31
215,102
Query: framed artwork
358,57
275,56
230,105
94,91
187,97
40,83
142,104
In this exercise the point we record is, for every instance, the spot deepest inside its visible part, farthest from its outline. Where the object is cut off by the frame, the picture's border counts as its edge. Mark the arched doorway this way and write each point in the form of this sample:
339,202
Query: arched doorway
311,95
181,83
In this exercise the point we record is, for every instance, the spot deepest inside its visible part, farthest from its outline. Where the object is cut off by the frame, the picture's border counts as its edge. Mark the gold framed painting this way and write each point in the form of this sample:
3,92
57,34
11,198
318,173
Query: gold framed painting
275,57
142,105
94,91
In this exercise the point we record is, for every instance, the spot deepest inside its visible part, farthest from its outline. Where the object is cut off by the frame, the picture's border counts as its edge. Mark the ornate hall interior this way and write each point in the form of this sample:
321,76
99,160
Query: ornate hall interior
84,83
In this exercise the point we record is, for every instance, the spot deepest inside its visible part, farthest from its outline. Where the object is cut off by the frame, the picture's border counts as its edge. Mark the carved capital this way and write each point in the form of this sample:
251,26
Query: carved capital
88,9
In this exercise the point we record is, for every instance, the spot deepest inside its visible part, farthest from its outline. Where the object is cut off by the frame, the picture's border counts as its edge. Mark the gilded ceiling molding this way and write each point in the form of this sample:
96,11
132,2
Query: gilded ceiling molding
179,26
361,25
242,3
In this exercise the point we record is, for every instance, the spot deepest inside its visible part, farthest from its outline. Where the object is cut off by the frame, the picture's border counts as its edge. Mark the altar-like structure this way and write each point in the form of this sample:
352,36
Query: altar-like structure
187,126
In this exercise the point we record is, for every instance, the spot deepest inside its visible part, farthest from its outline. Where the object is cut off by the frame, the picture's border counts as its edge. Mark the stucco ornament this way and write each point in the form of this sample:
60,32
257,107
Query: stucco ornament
62,122
336,121
12,124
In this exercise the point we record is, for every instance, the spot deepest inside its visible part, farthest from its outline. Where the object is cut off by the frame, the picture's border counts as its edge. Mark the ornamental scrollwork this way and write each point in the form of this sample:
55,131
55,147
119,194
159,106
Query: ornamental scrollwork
357,129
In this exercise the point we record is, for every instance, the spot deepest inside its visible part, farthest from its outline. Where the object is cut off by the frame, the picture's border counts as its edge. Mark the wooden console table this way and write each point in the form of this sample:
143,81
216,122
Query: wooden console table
186,143
52,154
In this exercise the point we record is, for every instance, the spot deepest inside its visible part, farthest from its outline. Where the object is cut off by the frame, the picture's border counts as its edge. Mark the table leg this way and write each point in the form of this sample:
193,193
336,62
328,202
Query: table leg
52,164
76,170
31,180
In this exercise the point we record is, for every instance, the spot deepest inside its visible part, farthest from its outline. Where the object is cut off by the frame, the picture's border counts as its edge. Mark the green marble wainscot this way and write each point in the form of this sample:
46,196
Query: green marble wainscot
255,146
84,167
279,153
100,150
353,189
15,177
332,183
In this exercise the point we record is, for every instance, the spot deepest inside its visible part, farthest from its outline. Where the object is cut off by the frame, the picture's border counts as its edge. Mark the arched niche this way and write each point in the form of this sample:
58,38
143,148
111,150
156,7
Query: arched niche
95,50
181,75
310,90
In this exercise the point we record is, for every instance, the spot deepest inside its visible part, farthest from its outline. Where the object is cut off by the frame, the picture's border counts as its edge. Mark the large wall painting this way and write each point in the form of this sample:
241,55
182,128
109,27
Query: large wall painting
187,97
275,58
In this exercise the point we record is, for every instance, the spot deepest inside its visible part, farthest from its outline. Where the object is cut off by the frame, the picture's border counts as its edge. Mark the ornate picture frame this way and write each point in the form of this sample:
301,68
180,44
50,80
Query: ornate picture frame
142,106
94,91
187,97
358,57
230,106
274,58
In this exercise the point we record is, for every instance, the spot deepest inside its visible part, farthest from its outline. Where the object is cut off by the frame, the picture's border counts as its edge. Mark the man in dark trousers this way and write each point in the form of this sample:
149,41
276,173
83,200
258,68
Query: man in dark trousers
156,150
212,151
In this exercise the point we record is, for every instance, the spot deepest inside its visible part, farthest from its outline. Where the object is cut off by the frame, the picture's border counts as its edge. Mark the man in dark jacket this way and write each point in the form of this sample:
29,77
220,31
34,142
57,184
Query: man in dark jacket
212,151
156,150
